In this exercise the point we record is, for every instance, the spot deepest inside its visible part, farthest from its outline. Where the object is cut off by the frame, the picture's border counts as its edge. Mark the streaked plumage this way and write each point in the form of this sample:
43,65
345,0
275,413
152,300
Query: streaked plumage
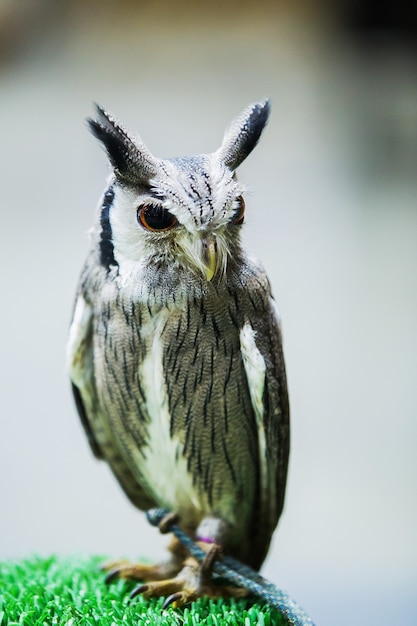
175,350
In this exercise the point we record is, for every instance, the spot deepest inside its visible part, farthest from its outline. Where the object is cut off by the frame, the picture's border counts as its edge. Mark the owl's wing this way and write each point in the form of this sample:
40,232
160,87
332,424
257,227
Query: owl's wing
261,346
80,367
80,363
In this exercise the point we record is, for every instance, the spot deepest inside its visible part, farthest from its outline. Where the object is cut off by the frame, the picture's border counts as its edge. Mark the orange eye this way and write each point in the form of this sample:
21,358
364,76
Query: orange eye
155,218
239,214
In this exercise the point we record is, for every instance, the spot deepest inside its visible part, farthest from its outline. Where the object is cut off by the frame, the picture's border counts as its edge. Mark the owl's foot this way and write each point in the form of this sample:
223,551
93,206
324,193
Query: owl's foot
192,582
138,571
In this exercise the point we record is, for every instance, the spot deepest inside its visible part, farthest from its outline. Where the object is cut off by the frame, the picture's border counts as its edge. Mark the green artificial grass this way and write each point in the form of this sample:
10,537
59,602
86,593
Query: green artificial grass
72,592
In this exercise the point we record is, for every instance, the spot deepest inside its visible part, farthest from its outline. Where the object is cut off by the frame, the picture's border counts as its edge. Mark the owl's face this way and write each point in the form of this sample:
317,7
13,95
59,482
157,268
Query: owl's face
185,212
190,215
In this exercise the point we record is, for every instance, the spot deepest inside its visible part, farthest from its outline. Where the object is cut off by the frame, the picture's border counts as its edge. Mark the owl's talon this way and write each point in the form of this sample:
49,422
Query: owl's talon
137,590
112,575
171,600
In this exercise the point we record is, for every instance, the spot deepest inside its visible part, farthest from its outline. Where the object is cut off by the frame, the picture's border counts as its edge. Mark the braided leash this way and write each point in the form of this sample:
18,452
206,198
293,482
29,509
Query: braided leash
240,575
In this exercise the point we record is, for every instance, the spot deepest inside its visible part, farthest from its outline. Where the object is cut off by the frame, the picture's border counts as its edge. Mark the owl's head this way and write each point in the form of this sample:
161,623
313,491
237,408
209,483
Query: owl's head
184,212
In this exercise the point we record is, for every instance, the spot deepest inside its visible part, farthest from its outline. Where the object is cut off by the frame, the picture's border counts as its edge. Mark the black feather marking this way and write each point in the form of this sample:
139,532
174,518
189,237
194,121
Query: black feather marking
86,424
206,480
213,434
229,461
192,454
131,160
229,371
180,344
216,330
240,144
188,316
195,357
225,416
208,186
199,462
126,313
105,324
198,329
235,296
114,144
195,380
232,317
210,391
184,394
119,146
254,127
193,188
177,374
188,417
172,356
175,403
205,409
188,432
201,372
106,242
126,374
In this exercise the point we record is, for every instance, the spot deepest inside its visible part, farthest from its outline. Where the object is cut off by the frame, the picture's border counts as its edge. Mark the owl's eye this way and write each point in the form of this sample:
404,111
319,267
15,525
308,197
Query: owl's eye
239,213
155,218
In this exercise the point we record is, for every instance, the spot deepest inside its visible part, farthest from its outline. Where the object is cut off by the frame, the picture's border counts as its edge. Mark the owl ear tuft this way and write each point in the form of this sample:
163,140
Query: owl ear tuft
130,158
243,134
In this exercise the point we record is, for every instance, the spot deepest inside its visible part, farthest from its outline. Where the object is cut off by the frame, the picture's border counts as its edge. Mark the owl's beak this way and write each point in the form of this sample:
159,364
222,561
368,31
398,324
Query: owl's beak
210,254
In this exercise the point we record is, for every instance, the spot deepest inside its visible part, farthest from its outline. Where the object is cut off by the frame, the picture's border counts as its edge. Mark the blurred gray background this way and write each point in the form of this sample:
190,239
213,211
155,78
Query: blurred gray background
332,212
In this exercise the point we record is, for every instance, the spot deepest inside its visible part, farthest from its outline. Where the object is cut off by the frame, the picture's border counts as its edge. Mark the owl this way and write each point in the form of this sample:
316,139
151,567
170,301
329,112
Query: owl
175,351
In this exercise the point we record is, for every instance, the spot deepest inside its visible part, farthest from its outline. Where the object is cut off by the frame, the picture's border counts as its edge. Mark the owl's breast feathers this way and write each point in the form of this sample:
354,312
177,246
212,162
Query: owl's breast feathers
193,397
